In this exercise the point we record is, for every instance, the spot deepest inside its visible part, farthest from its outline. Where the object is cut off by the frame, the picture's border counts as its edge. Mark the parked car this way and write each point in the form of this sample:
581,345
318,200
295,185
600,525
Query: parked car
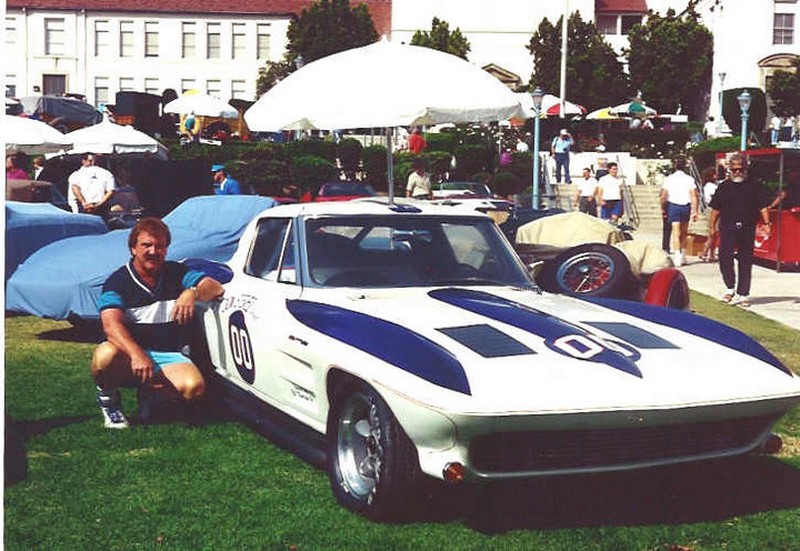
344,191
63,113
31,226
442,190
63,280
406,342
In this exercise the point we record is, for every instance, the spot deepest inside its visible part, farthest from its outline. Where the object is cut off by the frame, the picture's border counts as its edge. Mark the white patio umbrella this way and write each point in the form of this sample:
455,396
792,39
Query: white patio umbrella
386,85
193,101
30,136
107,137
383,85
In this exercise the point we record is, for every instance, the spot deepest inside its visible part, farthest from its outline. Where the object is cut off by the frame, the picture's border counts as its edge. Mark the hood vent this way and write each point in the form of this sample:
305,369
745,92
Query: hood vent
486,341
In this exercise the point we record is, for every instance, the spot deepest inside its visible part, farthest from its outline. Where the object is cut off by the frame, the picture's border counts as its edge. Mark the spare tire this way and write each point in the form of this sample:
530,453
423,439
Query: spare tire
592,269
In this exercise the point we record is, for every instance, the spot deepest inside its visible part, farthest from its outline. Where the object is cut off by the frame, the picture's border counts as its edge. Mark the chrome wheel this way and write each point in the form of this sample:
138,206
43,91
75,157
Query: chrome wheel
586,272
359,446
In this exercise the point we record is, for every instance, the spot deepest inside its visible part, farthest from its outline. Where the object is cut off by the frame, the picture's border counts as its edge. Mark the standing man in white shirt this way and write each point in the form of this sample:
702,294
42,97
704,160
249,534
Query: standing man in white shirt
585,196
609,194
678,204
90,187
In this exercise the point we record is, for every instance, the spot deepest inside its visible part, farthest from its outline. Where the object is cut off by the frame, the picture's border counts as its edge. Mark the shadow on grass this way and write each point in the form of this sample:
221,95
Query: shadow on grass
91,333
707,492
28,429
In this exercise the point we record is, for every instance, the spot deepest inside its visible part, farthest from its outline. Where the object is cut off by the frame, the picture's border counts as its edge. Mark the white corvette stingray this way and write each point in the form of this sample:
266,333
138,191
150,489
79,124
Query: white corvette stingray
409,341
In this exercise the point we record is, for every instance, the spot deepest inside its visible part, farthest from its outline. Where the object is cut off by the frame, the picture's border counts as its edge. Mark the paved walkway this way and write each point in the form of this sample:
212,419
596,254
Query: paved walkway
774,295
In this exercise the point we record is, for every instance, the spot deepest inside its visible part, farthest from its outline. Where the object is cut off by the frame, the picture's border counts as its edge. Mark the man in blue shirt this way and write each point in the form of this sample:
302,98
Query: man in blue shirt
224,184
142,306
560,148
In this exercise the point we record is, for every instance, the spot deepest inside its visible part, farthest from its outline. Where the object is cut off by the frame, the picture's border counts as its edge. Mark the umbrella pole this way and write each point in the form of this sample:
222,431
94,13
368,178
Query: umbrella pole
389,163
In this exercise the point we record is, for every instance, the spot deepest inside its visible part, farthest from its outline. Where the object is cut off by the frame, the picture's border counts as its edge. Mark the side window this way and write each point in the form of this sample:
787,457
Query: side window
265,255
468,243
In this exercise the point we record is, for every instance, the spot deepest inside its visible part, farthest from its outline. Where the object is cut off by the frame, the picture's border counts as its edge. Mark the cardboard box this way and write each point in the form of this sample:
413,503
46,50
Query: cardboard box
695,243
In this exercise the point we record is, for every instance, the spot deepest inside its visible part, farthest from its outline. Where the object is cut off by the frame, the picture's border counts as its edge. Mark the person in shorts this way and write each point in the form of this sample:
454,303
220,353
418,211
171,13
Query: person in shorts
679,204
609,194
142,308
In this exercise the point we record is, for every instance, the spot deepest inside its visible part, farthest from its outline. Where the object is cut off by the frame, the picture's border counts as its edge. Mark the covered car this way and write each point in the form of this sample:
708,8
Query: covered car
63,280
31,226
62,113
409,342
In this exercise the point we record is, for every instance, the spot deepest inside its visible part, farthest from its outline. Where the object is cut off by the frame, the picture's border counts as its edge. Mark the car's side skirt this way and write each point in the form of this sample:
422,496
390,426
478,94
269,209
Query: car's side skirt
280,428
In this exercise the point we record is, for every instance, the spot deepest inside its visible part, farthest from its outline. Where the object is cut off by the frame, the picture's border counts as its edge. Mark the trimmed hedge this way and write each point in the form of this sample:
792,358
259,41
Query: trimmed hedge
310,172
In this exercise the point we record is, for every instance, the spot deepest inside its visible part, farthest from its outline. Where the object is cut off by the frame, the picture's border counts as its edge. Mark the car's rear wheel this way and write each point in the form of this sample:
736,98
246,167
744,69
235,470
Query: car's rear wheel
372,464
592,269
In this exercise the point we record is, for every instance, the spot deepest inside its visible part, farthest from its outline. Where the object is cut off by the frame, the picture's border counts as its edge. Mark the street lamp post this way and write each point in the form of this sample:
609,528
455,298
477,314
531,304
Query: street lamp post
537,95
721,120
744,104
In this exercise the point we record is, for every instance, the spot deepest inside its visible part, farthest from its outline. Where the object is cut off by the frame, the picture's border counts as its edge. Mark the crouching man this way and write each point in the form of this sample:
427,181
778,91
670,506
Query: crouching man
142,307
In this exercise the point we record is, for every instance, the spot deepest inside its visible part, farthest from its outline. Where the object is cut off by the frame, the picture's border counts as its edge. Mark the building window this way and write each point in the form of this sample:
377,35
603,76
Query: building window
238,40
54,85
783,29
11,30
262,41
150,39
187,84
102,39
126,84
126,39
214,45
189,40
54,36
151,86
11,89
628,21
100,90
214,88
238,89
607,24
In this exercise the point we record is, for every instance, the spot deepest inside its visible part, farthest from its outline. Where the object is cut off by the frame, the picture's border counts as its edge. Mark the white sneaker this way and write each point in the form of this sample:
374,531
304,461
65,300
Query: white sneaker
110,406
677,259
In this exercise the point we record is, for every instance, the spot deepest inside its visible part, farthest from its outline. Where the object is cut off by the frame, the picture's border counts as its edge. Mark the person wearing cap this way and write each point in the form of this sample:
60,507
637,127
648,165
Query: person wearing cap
560,148
224,184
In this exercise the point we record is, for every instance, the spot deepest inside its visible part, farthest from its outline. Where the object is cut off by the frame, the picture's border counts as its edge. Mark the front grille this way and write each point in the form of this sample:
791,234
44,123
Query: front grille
588,448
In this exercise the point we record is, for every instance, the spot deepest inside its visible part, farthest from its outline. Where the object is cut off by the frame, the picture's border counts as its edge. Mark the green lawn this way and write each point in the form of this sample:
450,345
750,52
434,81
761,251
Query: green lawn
223,487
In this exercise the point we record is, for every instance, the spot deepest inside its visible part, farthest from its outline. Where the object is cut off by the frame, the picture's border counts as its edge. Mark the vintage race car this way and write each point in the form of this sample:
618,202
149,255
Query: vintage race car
409,342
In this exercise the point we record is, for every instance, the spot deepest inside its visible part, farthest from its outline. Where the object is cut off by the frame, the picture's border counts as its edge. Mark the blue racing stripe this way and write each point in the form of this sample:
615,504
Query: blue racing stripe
696,325
385,340
559,335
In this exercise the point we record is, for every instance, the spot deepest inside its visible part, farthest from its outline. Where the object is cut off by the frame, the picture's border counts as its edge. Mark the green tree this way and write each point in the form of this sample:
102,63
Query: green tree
784,91
325,27
440,38
670,61
595,77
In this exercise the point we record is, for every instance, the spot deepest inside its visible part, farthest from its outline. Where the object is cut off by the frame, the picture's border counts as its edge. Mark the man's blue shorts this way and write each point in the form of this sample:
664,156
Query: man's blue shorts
678,213
611,208
163,359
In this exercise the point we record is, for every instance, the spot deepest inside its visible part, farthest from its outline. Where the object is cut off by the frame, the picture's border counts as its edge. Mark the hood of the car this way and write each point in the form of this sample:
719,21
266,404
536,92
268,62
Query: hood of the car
520,347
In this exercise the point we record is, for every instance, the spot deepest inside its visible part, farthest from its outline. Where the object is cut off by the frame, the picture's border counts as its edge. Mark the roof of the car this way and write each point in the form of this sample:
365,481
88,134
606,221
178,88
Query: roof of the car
367,206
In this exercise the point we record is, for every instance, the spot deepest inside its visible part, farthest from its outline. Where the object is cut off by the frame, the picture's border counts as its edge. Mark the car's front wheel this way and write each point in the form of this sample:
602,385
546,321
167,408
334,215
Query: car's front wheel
372,464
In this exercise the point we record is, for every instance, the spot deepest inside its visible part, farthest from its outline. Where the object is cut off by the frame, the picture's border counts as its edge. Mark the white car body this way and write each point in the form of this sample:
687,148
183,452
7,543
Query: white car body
504,380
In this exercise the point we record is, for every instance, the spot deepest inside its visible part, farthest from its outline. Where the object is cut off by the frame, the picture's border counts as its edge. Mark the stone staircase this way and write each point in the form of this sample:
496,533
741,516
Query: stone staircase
646,205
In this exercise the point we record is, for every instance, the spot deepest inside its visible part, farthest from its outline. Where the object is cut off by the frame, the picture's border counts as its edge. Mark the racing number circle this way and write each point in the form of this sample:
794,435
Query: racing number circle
241,349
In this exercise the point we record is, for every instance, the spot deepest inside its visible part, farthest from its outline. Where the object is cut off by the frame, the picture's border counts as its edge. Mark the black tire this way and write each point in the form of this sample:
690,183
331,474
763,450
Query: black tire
592,269
372,465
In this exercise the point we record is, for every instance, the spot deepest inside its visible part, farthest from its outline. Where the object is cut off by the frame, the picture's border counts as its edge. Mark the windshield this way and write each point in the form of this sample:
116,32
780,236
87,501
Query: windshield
345,189
407,251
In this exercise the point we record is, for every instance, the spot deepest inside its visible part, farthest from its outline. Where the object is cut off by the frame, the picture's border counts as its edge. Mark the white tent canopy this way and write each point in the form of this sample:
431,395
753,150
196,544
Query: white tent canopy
30,136
107,137
193,101
550,105
383,85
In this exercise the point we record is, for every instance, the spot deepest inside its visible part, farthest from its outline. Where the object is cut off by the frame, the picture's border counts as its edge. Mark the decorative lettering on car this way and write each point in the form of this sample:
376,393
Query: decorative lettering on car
244,303
241,347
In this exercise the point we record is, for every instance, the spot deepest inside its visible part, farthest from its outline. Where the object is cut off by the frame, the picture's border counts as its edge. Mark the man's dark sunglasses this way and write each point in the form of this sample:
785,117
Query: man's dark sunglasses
737,170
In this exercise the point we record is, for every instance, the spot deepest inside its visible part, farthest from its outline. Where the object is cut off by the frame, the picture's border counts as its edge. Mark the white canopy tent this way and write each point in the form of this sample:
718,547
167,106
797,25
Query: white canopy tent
107,138
383,85
193,101
30,136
